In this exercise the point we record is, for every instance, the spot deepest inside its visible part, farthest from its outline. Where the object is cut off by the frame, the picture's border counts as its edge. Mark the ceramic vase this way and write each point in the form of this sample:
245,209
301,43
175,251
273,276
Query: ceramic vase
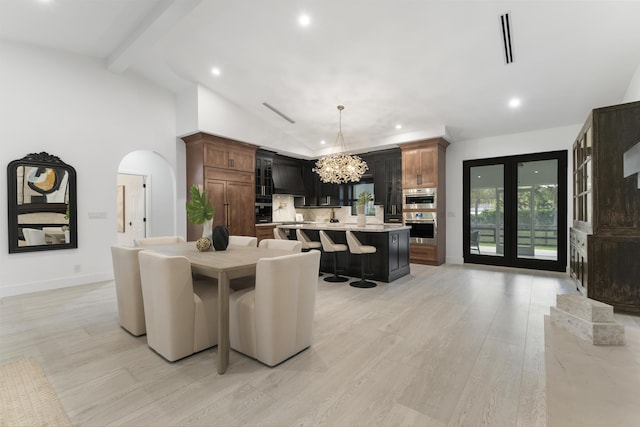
207,226
220,238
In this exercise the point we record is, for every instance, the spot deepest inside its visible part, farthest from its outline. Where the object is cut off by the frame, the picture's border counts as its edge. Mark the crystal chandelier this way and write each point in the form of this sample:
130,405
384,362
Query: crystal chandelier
338,168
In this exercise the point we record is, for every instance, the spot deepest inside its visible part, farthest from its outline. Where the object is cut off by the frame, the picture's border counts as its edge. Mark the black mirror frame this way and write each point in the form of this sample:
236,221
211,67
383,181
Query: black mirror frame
44,160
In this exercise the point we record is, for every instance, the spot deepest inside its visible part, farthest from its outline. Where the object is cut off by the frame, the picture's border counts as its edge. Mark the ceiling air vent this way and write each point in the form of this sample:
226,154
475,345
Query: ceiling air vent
505,22
278,112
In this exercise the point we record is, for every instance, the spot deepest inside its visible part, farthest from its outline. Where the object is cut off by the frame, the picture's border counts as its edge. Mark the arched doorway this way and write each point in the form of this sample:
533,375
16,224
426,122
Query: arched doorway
146,197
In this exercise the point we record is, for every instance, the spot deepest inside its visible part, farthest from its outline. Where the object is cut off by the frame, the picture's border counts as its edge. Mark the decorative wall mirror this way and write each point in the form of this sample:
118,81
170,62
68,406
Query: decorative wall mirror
42,204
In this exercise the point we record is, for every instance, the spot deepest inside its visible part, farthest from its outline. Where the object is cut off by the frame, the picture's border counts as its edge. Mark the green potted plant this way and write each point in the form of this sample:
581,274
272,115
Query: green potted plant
200,211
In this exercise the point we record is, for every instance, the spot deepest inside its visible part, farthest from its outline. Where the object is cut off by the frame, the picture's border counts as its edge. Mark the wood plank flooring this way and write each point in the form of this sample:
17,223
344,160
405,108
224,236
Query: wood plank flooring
445,346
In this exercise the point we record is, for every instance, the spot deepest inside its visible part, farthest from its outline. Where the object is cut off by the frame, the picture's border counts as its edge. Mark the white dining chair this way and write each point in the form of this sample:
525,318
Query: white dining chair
243,241
160,240
34,237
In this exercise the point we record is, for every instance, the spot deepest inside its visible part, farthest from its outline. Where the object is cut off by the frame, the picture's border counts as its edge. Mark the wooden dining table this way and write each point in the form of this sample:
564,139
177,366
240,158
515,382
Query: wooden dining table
234,262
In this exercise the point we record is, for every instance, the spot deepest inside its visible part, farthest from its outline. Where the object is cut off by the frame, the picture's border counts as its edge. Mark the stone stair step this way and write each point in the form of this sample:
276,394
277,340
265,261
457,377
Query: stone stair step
585,308
597,333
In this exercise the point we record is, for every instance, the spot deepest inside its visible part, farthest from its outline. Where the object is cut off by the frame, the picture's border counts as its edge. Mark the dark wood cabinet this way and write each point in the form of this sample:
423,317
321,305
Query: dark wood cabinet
605,237
225,168
387,180
420,167
390,262
264,232
264,176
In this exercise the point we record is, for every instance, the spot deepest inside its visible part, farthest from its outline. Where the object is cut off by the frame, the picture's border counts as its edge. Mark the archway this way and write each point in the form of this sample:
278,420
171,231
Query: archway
146,197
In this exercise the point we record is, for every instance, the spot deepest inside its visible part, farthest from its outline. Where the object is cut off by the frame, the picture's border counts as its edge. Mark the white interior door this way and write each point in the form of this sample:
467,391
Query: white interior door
132,206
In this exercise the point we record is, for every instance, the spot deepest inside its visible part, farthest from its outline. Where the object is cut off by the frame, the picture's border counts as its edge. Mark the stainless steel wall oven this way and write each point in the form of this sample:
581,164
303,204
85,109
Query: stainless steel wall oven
419,198
423,227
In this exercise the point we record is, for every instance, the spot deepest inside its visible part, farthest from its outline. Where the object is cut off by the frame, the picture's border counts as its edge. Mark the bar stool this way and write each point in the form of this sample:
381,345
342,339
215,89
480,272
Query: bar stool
329,245
280,234
355,247
307,243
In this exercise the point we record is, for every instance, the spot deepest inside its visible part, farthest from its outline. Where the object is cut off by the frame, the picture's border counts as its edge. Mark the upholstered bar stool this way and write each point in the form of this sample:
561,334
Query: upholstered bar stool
357,248
328,245
307,243
280,234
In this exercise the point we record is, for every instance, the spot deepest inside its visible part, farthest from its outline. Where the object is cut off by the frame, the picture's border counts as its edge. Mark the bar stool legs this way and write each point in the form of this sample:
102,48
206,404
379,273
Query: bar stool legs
357,248
362,283
329,246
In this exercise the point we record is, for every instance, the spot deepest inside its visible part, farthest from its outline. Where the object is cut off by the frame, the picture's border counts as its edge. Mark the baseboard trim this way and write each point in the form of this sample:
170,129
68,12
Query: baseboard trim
46,285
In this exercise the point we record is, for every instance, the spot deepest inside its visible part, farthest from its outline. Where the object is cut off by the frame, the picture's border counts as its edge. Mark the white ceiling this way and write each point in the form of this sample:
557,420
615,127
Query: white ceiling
425,64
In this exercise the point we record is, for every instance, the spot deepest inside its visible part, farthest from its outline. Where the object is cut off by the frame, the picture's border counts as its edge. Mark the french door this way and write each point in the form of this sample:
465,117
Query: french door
515,211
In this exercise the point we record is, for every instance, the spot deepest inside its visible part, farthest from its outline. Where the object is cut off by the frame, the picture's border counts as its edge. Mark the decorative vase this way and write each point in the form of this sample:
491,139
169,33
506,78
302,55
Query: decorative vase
362,219
203,244
207,225
220,238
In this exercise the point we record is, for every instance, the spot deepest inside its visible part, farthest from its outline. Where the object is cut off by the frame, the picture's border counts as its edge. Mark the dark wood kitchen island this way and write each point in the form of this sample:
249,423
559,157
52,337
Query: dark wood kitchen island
390,262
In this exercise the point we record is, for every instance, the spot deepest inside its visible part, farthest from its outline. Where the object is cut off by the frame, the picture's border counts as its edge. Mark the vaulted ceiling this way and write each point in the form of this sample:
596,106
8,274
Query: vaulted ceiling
425,65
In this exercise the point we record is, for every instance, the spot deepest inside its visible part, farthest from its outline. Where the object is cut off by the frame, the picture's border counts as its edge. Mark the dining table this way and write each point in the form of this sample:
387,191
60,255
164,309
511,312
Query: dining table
234,262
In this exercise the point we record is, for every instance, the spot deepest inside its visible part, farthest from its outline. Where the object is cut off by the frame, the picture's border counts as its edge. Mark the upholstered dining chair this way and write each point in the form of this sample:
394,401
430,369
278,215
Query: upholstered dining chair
274,320
34,237
285,245
161,240
126,272
181,314
243,241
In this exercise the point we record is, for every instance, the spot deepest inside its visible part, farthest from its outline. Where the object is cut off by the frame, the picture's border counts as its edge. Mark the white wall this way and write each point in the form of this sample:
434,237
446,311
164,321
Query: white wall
505,145
74,108
633,91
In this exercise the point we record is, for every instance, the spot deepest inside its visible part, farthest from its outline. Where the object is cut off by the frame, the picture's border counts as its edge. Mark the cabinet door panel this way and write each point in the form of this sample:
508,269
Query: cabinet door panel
428,176
241,160
216,190
215,156
411,166
241,213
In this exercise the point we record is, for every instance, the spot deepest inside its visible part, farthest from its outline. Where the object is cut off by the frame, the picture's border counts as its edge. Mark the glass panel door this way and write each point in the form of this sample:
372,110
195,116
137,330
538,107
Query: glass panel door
538,209
515,211
486,201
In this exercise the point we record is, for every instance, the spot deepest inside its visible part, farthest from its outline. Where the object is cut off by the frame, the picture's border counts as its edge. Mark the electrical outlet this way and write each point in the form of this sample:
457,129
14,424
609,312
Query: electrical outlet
77,268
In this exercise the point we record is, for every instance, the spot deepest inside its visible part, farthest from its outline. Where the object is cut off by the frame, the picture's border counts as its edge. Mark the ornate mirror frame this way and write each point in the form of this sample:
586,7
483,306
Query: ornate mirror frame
42,204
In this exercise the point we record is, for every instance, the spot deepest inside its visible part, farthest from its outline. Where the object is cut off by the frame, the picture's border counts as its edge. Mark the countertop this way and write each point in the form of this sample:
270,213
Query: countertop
341,226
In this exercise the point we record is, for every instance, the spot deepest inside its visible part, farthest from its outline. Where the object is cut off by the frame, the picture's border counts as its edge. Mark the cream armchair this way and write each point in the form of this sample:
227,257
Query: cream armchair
161,240
243,241
274,321
126,272
181,315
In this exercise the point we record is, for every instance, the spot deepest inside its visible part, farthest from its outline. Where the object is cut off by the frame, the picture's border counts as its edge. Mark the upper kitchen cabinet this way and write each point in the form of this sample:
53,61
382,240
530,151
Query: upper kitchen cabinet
421,163
387,180
226,169
224,153
264,176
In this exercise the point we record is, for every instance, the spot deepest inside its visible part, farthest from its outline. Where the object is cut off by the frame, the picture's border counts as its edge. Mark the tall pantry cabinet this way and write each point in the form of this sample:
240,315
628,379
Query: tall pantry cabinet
226,169
605,237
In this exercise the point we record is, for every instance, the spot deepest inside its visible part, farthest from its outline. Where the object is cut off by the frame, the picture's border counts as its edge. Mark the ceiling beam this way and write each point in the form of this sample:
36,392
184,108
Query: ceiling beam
161,19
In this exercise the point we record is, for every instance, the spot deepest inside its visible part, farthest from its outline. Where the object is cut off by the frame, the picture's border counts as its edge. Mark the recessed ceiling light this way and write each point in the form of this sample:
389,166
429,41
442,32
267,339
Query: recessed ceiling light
535,171
514,102
216,71
398,126
479,176
323,142
304,20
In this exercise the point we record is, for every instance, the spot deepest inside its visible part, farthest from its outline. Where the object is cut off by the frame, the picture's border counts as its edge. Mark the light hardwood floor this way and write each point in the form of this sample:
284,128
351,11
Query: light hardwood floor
445,346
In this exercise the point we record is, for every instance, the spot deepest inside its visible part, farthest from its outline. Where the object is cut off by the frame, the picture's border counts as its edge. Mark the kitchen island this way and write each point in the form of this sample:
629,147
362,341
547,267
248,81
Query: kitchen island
390,262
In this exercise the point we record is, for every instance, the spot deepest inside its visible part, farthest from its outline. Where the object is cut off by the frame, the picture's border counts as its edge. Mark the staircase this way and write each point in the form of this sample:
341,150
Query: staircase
587,319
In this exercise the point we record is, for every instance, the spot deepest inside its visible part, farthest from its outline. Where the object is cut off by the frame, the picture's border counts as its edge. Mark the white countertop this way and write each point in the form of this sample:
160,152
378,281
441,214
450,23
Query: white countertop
340,226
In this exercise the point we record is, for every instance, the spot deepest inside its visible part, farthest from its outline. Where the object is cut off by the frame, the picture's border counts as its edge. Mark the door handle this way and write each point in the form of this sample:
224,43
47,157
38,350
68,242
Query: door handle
226,207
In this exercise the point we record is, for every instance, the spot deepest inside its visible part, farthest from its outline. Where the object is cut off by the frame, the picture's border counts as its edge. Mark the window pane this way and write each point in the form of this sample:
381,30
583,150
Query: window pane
538,209
487,210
